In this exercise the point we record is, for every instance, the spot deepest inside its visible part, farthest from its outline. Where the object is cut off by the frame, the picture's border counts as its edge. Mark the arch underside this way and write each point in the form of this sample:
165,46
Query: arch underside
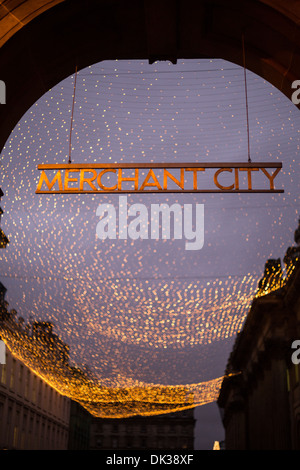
43,41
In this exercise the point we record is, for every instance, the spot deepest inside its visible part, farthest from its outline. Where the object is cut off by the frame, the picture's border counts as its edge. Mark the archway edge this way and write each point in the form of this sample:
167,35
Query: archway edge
41,53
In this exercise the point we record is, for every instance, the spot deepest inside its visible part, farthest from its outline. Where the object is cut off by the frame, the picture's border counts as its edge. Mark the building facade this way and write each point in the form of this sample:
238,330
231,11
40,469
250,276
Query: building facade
33,416
79,427
260,394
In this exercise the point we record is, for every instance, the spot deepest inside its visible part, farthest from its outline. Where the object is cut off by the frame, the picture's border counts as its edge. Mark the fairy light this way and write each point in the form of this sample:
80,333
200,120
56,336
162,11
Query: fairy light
141,320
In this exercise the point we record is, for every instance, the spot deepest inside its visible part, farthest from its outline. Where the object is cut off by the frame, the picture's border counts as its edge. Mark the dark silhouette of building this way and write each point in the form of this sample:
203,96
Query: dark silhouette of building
33,415
260,400
167,431
79,427
4,241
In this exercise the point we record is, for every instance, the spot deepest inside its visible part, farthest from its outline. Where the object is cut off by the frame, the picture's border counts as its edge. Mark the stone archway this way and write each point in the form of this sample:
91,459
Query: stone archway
42,42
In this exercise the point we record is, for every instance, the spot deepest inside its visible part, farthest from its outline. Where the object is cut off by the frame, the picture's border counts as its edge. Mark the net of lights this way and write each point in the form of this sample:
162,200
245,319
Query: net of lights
99,316
36,345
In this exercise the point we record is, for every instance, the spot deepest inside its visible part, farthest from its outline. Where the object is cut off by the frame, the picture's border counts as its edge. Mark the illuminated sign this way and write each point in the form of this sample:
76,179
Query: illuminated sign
158,178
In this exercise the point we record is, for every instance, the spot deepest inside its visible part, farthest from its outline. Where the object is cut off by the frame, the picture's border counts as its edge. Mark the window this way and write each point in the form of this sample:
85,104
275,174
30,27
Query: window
114,443
297,373
3,374
15,439
12,374
27,384
34,389
21,370
298,432
129,443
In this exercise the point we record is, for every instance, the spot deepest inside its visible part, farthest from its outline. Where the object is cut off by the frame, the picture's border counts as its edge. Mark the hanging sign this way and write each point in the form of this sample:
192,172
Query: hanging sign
158,178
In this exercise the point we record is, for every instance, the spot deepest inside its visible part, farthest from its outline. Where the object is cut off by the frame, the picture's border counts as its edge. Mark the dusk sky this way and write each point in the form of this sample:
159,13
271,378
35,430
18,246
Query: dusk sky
148,310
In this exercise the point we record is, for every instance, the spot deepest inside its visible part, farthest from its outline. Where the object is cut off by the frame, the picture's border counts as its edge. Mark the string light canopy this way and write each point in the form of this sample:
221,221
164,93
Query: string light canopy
129,327
84,178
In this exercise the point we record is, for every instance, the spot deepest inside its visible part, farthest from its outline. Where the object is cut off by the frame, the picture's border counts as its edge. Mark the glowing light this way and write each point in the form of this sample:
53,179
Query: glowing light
130,328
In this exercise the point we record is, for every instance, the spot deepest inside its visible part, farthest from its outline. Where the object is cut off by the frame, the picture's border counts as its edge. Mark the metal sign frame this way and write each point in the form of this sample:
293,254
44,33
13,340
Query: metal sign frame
63,181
